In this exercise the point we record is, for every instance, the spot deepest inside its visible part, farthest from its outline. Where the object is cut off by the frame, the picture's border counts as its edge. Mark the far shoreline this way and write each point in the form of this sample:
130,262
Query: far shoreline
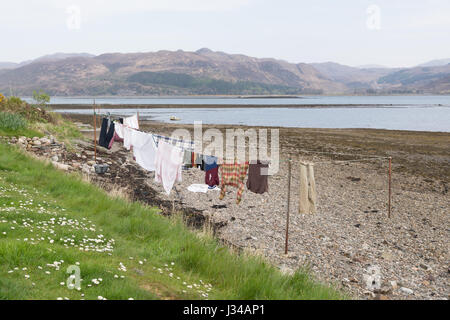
230,106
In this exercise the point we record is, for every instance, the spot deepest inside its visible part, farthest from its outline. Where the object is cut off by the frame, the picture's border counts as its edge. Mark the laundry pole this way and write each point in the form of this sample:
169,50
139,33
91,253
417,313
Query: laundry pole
95,133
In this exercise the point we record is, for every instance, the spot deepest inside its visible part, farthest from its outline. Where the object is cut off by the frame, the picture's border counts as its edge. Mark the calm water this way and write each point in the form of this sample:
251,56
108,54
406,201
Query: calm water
431,118
308,100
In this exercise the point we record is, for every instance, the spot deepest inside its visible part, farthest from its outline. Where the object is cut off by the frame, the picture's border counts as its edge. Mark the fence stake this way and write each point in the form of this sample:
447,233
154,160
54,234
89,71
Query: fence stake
95,133
390,192
288,203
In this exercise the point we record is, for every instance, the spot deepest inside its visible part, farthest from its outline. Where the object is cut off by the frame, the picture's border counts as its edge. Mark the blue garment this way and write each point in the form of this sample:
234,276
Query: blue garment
210,162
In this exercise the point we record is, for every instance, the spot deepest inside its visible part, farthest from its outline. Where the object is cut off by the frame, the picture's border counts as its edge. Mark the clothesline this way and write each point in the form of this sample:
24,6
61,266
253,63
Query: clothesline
168,161
226,160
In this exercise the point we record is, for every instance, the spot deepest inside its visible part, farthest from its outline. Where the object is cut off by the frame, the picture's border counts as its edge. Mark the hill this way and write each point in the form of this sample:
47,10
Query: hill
419,80
205,72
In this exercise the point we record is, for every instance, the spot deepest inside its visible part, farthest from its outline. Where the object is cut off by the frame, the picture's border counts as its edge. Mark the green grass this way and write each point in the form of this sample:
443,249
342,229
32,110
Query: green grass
176,263
12,124
12,121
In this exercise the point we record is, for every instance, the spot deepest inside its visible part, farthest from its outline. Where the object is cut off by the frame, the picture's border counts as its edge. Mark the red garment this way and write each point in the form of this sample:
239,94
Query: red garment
114,138
212,177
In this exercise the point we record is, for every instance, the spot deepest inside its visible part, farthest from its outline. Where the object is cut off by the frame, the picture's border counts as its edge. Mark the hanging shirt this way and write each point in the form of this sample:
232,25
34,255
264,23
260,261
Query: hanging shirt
210,162
114,138
212,177
110,134
119,129
257,181
102,140
127,137
233,174
131,122
199,162
187,158
169,160
144,149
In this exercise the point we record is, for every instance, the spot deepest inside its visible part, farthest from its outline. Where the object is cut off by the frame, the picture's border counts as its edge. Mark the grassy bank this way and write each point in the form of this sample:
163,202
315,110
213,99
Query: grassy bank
50,220
18,118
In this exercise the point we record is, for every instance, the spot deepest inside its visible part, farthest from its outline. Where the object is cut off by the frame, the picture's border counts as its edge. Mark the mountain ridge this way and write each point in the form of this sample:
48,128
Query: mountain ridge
209,72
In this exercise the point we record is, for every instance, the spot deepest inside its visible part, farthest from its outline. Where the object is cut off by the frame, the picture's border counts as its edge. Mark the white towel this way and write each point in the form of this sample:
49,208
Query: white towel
198,188
169,160
131,122
144,149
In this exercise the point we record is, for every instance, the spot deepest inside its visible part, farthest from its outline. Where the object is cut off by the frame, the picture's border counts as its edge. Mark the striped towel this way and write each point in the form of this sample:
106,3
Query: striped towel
183,144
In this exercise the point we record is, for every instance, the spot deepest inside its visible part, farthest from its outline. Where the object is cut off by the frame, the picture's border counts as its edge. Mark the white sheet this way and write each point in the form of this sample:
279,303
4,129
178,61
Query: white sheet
169,160
144,149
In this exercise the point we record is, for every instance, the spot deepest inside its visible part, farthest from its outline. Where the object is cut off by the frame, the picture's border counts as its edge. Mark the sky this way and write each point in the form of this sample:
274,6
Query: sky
399,33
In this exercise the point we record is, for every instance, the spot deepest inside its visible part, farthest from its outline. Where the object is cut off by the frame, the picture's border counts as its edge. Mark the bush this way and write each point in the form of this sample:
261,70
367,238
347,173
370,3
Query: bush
12,121
27,111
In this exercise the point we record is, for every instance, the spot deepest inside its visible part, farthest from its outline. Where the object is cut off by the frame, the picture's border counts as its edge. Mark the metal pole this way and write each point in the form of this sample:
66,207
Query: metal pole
288,203
95,134
390,184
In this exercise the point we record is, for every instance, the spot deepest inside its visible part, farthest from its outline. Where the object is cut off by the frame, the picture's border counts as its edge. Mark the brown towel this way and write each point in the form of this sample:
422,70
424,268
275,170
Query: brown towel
257,177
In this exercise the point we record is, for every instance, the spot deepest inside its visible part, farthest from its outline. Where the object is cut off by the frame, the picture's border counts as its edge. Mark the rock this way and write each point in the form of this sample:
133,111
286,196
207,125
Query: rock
45,141
91,162
382,290
387,256
76,165
394,285
406,290
424,266
55,158
35,139
430,278
37,142
101,149
85,168
61,166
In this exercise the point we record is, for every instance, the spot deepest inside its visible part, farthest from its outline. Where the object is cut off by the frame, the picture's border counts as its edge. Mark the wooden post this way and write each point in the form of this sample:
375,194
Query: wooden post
390,184
95,134
288,204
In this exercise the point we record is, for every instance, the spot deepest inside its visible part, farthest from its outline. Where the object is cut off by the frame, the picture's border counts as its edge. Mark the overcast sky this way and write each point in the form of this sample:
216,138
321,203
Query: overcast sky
353,32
